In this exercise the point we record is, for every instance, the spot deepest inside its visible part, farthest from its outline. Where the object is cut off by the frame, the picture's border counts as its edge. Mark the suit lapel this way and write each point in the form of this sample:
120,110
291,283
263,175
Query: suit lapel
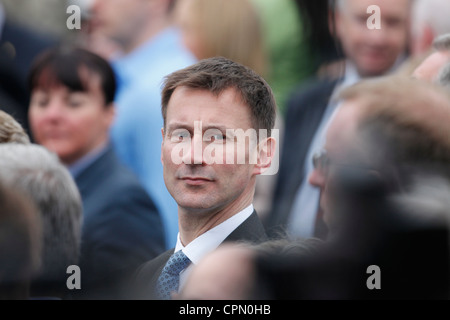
251,230
96,171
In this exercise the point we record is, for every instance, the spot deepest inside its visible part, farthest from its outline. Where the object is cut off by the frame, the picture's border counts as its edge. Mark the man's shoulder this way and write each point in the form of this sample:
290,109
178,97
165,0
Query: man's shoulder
251,230
107,171
108,187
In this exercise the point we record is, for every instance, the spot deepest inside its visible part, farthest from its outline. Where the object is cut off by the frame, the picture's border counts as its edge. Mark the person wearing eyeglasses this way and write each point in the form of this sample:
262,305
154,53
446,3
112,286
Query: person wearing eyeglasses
389,141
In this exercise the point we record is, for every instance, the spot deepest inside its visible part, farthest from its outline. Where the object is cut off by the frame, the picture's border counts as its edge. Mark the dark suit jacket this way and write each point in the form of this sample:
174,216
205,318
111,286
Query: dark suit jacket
249,231
304,115
121,229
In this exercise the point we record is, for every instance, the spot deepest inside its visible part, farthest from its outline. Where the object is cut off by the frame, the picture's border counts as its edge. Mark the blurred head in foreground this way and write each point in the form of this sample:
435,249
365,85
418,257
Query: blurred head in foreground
229,272
20,243
11,130
385,132
436,67
47,183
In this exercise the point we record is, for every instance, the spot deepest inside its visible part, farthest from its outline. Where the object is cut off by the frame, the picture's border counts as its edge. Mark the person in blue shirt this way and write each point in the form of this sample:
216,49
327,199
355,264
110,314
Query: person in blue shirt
151,48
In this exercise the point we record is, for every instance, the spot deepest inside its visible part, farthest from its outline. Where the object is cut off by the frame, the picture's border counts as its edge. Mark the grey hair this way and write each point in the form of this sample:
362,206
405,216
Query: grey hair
442,43
11,130
443,78
38,173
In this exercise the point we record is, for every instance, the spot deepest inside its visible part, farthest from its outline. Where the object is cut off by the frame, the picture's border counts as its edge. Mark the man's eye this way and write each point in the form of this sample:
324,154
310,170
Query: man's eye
218,137
180,135
214,136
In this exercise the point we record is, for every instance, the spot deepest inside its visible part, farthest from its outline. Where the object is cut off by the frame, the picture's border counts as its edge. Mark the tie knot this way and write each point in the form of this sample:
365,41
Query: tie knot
177,263
169,279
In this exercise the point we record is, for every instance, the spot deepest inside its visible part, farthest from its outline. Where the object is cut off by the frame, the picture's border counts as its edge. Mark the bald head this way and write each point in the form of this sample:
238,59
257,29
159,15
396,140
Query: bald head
382,126
433,67
430,69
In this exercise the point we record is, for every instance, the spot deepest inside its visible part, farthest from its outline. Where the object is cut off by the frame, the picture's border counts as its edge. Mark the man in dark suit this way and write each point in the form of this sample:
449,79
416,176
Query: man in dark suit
369,53
71,112
215,113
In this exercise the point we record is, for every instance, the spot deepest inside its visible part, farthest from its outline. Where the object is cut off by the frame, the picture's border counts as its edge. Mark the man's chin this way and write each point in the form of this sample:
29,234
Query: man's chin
377,69
194,206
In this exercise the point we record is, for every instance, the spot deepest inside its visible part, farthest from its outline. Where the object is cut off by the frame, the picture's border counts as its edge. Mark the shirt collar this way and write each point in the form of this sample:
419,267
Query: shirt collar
79,166
211,239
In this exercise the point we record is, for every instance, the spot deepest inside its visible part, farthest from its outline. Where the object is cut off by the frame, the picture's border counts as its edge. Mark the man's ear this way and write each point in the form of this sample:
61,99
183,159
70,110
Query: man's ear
162,145
266,152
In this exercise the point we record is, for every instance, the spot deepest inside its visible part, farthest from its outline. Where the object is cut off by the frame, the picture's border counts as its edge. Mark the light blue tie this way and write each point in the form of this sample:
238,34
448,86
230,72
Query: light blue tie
169,279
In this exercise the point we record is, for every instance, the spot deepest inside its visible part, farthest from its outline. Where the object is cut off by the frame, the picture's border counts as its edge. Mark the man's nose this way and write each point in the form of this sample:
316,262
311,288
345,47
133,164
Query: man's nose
317,179
194,154
378,37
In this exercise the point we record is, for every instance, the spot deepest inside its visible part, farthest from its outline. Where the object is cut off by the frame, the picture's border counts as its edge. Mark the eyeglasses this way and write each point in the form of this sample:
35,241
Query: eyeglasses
321,161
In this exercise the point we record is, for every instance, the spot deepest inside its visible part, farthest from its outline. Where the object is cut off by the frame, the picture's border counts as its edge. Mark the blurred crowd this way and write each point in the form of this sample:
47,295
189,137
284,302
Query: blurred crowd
362,158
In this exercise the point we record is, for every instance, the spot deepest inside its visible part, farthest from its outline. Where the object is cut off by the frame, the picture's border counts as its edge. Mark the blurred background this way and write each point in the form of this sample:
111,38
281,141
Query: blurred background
308,51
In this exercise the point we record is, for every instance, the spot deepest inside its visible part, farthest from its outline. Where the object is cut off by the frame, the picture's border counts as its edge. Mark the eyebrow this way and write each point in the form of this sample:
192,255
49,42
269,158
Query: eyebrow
183,125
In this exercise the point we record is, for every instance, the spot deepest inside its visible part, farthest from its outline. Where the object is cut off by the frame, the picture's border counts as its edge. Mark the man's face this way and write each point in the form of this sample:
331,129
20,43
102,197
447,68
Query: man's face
69,123
373,52
119,19
197,123
429,69
339,139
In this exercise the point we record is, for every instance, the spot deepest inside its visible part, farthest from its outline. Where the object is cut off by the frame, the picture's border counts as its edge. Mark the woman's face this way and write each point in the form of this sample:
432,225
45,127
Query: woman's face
70,123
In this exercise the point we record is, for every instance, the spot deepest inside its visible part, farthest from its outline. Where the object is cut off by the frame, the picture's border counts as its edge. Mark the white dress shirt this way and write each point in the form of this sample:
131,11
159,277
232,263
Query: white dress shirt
210,240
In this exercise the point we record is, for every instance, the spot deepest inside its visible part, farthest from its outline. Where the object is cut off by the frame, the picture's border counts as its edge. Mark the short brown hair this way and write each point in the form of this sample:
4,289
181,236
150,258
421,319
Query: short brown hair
11,131
218,74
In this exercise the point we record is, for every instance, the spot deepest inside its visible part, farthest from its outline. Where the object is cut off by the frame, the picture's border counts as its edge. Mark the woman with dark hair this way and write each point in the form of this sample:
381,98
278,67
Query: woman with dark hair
71,112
